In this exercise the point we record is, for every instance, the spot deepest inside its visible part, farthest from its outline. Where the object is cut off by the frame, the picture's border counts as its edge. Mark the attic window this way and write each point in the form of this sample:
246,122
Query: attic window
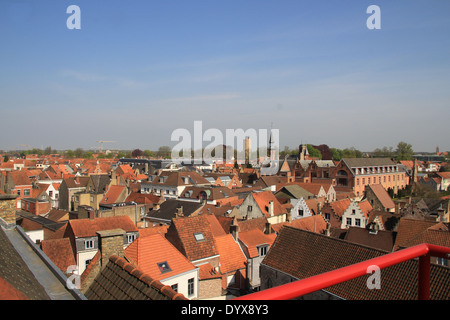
164,267
199,236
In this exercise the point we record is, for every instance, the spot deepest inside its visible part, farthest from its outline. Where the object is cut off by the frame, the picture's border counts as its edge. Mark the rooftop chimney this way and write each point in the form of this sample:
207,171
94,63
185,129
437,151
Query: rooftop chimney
271,208
8,210
110,243
328,230
234,229
268,228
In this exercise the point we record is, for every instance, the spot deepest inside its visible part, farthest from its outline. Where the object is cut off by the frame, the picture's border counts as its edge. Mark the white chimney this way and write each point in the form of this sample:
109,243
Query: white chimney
271,208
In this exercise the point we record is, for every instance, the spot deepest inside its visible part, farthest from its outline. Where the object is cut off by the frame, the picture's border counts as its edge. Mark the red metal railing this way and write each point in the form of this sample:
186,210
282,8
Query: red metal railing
304,286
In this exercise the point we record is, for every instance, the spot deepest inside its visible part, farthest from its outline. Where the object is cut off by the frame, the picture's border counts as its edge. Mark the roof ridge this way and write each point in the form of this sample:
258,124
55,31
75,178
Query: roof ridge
335,239
140,275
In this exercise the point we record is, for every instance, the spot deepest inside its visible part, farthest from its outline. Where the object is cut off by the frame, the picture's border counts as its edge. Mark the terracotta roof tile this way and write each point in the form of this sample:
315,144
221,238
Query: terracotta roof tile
8,292
316,254
147,252
231,256
182,234
115,282
60,252
20,178
263,199
340,206
254,238
89,227
408,229
382,195
113,194
207,271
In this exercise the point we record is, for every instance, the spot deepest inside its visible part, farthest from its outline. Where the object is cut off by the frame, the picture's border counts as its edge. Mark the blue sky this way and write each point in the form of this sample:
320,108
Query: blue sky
138,70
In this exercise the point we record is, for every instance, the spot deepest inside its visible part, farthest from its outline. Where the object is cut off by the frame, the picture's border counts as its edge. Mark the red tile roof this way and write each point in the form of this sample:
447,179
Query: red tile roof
20,178
113,194
254,238
263,199
314,223
8,292
231,256
60,252
216,227
315,254
181,234
207,271
143,198
89,227
382,195
120,280
147,252
340,206
365,207
408,229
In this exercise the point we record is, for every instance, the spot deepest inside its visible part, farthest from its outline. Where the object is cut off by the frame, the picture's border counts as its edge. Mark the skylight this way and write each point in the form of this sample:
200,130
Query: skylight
164,267
199,236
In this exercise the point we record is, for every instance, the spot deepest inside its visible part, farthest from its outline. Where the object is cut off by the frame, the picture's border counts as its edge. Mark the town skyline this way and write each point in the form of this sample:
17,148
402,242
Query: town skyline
134,74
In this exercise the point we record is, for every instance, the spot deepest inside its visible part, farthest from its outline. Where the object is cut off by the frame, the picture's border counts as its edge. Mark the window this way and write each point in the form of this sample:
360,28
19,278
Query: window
131,237
89,244
164,267
199,236
18,192
175,287
358,222
353,211
349,221
50,194
191,287
300,212
86,262
26,192
442,261
249,208
262,251
327,216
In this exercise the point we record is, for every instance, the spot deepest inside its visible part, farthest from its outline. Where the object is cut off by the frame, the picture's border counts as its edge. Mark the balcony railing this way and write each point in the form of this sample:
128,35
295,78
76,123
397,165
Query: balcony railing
321,281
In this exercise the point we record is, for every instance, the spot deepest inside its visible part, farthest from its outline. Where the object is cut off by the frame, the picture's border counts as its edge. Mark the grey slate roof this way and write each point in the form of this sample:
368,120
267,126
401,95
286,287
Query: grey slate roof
168,209
15,271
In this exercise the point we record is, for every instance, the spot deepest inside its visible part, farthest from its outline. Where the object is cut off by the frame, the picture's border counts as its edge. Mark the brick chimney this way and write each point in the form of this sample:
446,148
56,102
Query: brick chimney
234,229
8,210
110,243
267,228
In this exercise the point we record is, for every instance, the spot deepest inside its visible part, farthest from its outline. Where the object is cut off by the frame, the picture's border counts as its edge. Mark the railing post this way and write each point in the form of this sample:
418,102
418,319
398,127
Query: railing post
424,277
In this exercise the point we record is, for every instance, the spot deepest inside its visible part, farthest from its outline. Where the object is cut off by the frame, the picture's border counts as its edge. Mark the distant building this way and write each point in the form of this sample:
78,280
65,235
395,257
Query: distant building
357,173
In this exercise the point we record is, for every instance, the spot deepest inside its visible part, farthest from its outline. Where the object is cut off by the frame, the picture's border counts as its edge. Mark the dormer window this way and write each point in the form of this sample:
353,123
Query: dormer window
262,250
89,244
